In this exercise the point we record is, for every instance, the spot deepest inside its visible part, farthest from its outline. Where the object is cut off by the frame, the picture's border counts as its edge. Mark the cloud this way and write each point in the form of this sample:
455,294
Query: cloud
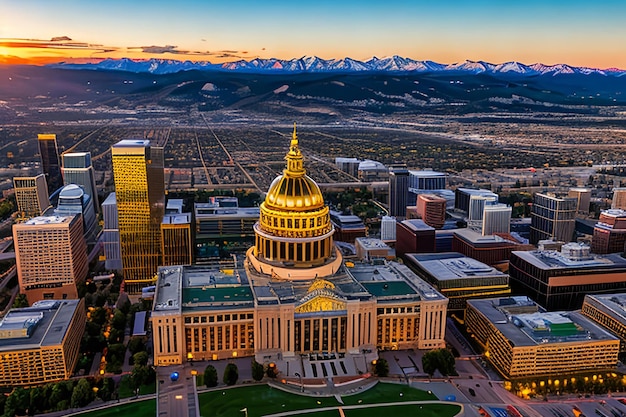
61,42
167,49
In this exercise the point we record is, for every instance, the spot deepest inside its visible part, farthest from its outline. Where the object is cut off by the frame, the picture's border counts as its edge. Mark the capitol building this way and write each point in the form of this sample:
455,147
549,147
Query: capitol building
293,295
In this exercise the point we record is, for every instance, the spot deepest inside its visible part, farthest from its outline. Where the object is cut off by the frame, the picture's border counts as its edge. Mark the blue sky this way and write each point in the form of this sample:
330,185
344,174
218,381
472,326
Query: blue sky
574,32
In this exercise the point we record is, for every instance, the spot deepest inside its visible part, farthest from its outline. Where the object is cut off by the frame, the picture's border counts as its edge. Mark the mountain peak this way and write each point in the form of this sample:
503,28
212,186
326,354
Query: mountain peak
394,63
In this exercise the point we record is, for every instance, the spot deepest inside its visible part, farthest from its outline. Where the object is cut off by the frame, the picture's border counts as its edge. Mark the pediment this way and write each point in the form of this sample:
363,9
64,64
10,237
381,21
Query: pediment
326,301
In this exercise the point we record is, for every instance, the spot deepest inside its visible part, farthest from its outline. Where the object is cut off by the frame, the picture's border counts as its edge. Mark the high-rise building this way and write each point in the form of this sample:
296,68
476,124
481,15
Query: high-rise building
609,234
398,191
477,204
619,198
552,218
521,340
176,242
140,196
496,219
426,180
462,197
432,209
559,281
50,161
41,343
73,200
31,195
388,229
77,169
348,165
51,257
583,199
111,235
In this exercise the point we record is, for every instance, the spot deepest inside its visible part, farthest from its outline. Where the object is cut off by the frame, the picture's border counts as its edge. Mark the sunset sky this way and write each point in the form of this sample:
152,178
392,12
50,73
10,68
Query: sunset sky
575,32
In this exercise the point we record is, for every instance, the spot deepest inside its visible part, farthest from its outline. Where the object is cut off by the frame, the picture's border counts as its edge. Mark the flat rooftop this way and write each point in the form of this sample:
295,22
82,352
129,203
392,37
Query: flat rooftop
41,220
417,225
53,318
126,143
371,243
399,280
549,259
452,265
177,218
201,286
613,304
538,327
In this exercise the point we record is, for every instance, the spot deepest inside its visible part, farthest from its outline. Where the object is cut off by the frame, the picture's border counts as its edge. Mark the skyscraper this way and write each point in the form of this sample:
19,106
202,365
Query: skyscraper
140,195
619,198
583,198
552,218
31,194
73,200
77,169
496,219
432,209
50,161
398,191
51,257
111,234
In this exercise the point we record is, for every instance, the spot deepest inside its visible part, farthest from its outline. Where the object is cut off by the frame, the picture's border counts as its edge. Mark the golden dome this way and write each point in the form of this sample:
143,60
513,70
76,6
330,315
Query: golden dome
294,190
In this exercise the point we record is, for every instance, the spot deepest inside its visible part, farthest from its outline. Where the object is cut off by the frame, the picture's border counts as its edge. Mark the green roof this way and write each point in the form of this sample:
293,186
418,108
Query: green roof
217,295
563,329
385,289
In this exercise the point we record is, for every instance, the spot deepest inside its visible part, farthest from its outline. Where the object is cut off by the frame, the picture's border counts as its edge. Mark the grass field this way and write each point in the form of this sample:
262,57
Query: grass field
262,400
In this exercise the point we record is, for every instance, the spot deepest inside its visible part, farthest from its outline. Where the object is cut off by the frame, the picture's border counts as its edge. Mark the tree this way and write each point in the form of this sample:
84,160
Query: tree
381,368
82,394
428,363
446,362
16,402
59,394
210,376
106,390
20,301
119,320
136,344
231,374
140,358
441,359
257,370
142,375
36,400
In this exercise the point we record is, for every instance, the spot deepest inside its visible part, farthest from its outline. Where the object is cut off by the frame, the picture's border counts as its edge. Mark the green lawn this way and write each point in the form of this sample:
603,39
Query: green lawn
262,400
145,408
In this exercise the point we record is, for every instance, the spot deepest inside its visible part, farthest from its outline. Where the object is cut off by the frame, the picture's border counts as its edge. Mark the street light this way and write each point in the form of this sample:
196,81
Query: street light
301,384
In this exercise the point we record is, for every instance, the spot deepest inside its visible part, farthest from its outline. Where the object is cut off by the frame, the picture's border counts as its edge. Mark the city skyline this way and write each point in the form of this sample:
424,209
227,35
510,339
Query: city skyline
576,33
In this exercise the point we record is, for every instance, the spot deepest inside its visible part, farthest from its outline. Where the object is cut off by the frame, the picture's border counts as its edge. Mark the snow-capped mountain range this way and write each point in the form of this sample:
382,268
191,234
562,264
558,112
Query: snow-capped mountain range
346,65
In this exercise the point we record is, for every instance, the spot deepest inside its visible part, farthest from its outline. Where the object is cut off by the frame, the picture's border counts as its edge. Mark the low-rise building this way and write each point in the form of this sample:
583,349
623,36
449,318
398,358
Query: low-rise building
458,277
40,344
414,236
608,311
560,280
490,249
368,248
520,340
